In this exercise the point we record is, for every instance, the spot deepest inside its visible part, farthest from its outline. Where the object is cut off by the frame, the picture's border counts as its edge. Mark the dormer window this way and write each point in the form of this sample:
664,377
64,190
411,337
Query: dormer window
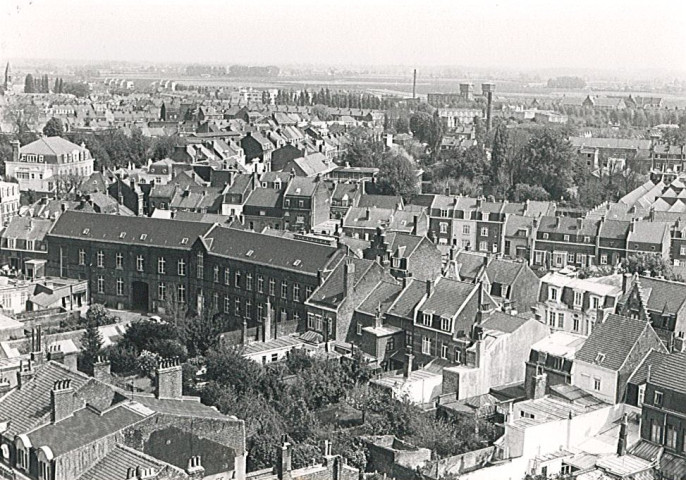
546,236
446,324
600,358
587,239
566,238
553,294
426,319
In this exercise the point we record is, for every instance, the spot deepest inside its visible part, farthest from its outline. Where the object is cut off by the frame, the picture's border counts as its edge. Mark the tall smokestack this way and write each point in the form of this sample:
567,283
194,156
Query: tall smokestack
487,89
414,84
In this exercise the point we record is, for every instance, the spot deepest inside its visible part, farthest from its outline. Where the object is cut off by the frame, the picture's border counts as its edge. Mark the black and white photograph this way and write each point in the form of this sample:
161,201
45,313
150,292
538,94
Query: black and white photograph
342,240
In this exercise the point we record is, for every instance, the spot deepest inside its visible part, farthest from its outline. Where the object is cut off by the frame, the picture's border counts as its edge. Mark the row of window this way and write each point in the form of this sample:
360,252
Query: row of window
666,435
12,244
566,238
555,295
446,323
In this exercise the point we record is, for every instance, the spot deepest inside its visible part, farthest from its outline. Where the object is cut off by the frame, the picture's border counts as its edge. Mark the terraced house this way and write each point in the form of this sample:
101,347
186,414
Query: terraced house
563,241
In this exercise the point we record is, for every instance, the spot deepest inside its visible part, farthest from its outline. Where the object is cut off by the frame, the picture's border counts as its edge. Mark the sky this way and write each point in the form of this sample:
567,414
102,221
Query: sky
522,34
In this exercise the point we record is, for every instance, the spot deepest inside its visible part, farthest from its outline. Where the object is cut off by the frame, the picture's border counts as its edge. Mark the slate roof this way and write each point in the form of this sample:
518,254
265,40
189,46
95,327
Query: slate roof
649,232
82,428
670,373
503,322
115,465
50,146
302,186
447,297
265,197
331,293
515,223
614,339
279,252
382,297
314,164
614,229
663,295
402,245
408,299
184,407
653,359
146,231
27,228
390,202
29,406
239,184
503,271
470,265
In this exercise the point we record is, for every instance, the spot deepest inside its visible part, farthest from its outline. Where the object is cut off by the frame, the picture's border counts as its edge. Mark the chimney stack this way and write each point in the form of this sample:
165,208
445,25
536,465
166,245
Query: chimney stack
5,386
429,287
378,317
37,355
15,150
284,466
62,401
348,278
101,369
169,379
538,386
488,89
55,353
408,365
26,373
195,470
623,434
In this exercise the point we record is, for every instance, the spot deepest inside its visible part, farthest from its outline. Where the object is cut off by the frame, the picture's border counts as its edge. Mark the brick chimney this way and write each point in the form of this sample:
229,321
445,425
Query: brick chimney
348,278
283,468
623,433
15,150
101,369
26,373
169,379
37,354
378,317
195,470
538,386
429,287
55,353
62,401
5,386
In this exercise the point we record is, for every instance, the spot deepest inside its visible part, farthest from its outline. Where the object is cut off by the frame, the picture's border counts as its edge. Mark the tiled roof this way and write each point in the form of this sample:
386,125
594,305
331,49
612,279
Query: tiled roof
382,297
314,164
470,265
515,223
115,465
302,186
503,271
279,252
362,217
408,299
403,242
653,360
670,373
649,232
82,428
30,406
614,229
265,197
611,342
448,296
128,230
663,295
331,293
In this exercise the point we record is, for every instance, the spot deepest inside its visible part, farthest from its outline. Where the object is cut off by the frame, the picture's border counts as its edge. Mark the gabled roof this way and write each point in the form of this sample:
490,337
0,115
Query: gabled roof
652,360
381,297
448,296
265,197
28,407
390,202
649,232
127,230
611,342
302,186
503,322
115,465
279,252
408,299
470,265
614,229
503,271
663,295
331,293
670,373
402,245
27,228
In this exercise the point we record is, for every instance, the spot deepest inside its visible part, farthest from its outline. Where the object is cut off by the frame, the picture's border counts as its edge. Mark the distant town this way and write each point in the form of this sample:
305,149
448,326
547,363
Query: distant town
269,273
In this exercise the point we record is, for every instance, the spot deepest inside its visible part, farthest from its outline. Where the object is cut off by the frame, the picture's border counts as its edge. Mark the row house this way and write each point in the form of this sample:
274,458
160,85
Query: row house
9,201
562,241
553,357
452,221
331,306
611,354
258,152
667,158
575,305
663,431
405,255
511,284
24,241
171,266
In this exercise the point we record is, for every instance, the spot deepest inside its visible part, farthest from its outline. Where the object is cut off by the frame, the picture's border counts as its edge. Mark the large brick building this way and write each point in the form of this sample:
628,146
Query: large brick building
154,265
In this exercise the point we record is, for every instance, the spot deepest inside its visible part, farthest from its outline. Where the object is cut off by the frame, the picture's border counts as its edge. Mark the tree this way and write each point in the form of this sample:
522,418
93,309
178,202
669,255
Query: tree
68,185
29,86
397,175
163,147
421,125
547,160
53,128
91,346
322,113
99,315
363,152
650,263
523,192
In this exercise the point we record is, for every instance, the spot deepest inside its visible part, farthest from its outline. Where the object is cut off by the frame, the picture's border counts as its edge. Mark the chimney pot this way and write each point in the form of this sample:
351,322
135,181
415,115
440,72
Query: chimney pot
169,379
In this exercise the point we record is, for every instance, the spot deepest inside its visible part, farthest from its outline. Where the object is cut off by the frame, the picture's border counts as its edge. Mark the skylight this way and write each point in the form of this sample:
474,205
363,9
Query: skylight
122,235
86,231
184,241
249,254
297,263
